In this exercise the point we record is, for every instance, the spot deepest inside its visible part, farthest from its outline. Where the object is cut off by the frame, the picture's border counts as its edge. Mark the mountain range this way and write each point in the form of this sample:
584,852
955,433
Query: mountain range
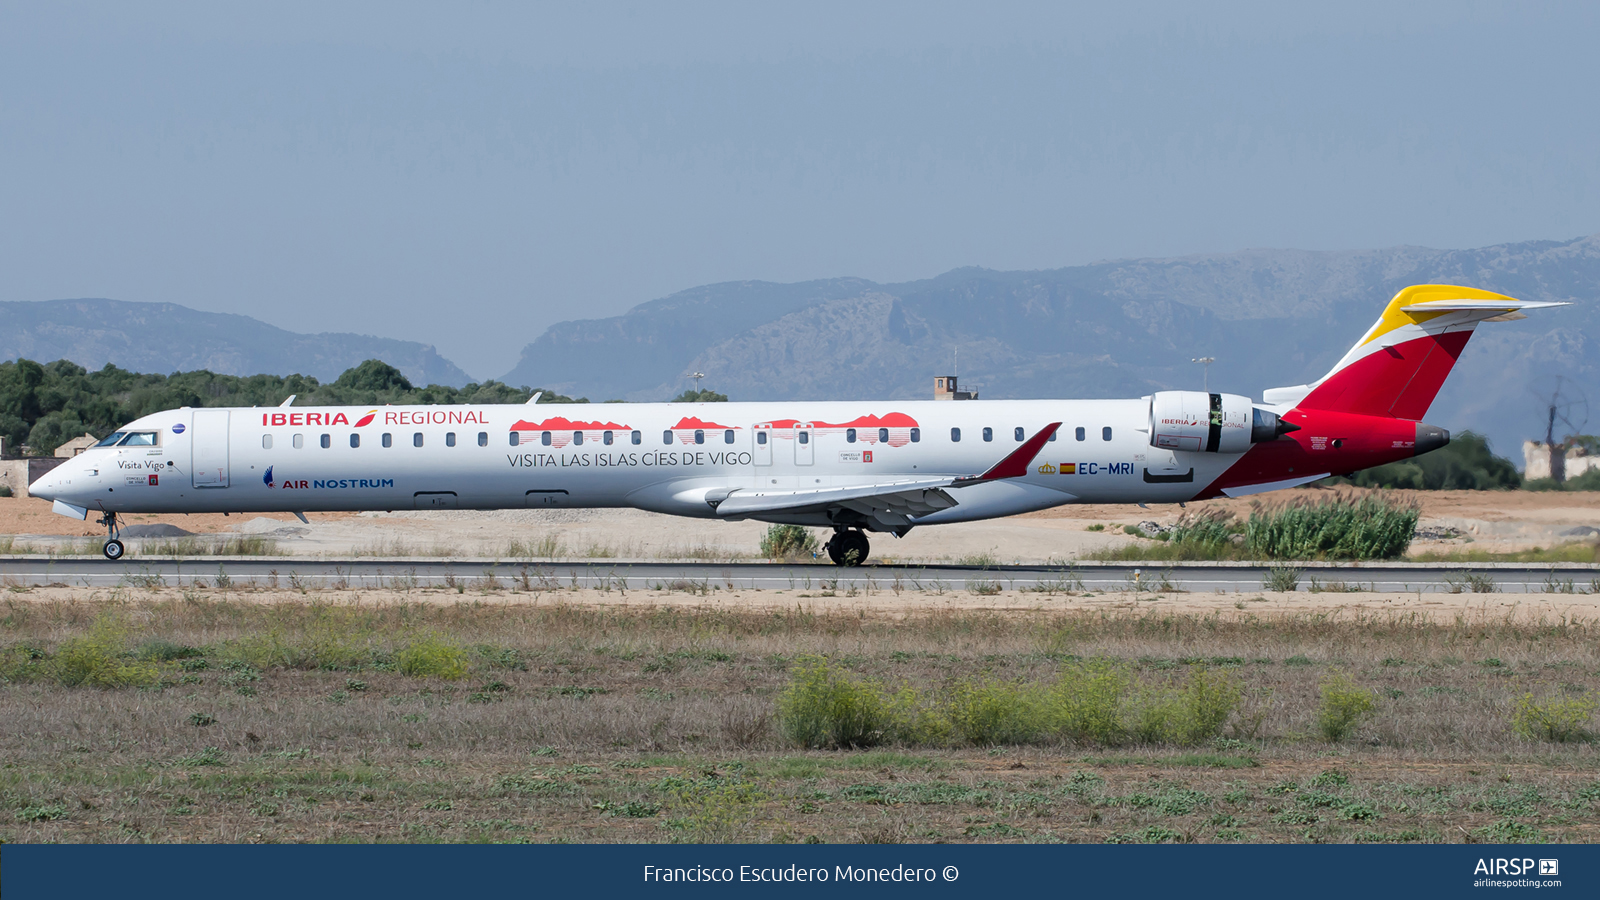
1122,328
166,337
1111,329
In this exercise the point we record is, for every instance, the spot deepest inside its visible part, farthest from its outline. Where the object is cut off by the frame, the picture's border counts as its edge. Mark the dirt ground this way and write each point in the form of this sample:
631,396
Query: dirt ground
1495,521
869,596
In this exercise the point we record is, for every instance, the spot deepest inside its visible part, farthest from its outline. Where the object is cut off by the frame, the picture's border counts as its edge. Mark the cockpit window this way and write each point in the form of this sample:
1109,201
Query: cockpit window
140,439
111,439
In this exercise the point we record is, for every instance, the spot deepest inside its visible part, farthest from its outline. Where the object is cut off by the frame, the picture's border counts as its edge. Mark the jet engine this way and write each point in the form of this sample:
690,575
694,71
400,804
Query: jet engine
1211,423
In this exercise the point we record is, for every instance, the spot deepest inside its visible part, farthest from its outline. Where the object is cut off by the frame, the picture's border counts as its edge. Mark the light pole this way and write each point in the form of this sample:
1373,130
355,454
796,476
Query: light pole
697,376
1206,361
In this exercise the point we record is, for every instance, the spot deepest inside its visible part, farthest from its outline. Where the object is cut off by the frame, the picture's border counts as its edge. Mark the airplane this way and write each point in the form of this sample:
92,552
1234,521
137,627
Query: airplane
856,467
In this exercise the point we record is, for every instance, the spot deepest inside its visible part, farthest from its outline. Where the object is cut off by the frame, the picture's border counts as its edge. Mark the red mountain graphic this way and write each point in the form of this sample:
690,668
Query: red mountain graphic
690,423
563,424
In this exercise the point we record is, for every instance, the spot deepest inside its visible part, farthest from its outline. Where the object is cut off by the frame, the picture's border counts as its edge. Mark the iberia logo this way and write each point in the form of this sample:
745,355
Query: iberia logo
366,419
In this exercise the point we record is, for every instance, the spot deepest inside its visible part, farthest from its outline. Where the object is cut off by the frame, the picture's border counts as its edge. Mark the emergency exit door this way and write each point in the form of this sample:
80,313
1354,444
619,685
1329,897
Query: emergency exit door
208,445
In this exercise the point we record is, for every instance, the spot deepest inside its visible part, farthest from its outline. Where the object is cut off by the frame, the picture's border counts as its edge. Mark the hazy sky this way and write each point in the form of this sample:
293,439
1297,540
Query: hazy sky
467,174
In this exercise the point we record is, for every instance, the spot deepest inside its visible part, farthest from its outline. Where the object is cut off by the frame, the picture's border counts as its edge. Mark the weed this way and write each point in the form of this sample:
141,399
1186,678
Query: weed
1281,578
96,660
1471,582
433,657
788,542
825,706
1343,706
1559,719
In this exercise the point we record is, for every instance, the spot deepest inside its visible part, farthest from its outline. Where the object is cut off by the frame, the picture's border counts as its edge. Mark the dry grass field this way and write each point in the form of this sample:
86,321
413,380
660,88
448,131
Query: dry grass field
220,714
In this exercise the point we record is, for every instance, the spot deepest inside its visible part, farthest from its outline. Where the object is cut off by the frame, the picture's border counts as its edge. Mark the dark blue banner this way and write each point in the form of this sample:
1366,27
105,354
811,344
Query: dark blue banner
438,872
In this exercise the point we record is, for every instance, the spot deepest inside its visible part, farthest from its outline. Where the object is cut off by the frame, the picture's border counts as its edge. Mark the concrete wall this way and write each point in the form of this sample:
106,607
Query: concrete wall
1536,460
17,474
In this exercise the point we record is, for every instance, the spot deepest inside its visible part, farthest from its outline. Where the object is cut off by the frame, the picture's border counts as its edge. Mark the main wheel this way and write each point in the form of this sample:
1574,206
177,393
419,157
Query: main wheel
113,549
849,548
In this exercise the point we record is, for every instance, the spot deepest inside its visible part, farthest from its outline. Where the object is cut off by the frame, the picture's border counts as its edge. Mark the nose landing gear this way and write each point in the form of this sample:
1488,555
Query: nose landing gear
848,547
113,548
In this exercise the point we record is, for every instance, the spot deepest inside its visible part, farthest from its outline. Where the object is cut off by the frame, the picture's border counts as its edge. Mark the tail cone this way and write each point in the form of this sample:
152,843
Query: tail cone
1430,437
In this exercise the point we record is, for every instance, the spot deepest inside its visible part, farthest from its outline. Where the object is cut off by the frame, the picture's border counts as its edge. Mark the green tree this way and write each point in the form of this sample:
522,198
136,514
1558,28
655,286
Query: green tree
692,396
44,406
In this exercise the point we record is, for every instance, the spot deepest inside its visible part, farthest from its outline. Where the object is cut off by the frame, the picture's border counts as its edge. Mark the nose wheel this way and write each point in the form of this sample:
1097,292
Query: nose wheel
848,547
113,549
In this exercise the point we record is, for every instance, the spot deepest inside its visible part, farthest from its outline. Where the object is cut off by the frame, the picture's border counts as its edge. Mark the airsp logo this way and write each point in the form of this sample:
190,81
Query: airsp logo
1515,867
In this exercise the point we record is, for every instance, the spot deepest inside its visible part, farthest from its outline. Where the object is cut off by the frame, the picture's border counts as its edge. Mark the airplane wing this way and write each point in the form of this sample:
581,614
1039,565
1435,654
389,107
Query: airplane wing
892,503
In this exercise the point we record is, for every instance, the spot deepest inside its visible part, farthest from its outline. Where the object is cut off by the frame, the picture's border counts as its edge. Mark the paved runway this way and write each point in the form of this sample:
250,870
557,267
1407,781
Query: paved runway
369,573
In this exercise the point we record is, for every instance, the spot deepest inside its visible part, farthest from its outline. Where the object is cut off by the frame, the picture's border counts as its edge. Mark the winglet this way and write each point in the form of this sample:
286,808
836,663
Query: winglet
1016,464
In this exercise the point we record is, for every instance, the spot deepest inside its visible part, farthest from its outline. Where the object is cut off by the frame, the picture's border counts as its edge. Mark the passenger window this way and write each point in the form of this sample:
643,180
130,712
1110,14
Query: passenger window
883,435
388,439
544,438
266,442
416,439
1105,433
805,437
327,441
483,438
699,436
666,437
955,435
1017,433
1080,432
299,441
916,435
727,436
761,438
606,438
638,438
449,438
515,439
988,434
355,440
577,437
849,435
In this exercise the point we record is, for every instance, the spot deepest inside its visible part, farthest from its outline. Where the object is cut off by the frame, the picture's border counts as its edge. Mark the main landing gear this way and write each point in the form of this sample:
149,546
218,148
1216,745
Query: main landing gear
113,548
848,547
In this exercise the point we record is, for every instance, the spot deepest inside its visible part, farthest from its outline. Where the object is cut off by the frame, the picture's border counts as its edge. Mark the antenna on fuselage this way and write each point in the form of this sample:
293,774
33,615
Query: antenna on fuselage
535,398
288,402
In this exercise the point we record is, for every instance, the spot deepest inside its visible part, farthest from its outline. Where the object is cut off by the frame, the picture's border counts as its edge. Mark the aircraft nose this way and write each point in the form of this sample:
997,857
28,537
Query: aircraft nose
46,487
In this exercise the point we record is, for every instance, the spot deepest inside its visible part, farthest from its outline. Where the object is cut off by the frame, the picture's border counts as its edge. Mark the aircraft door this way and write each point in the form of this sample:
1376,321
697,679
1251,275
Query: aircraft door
208,446
763,447
805,444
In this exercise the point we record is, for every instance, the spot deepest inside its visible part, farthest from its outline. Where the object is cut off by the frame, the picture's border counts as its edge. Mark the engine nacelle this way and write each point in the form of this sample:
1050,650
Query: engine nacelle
1210,423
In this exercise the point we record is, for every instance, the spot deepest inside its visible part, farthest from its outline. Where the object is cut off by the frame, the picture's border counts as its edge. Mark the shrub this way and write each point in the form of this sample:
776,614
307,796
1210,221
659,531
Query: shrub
987,713
1086,703
1559,719
5,490
432,657
96,660
1376,526
1344,704
787,542
1191,714
825,706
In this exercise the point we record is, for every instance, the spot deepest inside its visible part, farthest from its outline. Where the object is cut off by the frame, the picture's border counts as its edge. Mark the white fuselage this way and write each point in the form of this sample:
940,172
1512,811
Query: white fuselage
663,457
